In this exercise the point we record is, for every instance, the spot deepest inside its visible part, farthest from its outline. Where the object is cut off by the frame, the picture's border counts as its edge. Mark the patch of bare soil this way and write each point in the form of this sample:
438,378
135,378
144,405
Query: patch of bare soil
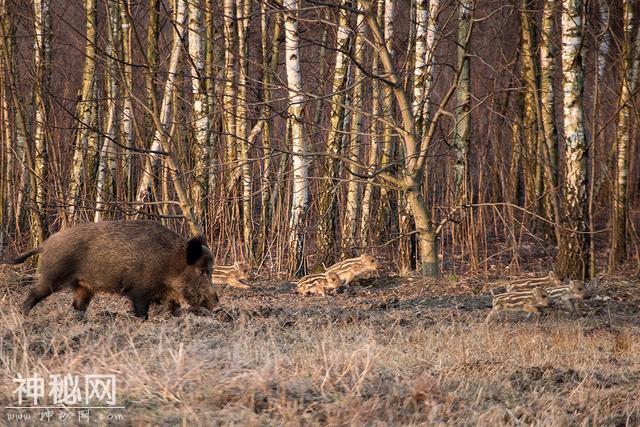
386,351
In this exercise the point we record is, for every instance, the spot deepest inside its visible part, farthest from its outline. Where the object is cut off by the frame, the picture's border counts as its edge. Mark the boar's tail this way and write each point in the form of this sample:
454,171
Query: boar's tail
22,257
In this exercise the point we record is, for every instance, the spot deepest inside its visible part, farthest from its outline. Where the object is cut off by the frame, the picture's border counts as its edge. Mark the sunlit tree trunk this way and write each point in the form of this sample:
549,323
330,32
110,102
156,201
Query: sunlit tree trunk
23,138
83,110
462,135
388,210
144,188
350,239
106,169
6,156
412,171
605,41
373,156
199,113
229,96
152,50
573,252
547,94
628,79
126,117
42,56
326,234
300,189
243,8
270,56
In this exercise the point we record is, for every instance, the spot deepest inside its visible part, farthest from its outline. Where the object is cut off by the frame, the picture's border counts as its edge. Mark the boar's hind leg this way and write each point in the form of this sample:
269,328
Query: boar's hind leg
81,298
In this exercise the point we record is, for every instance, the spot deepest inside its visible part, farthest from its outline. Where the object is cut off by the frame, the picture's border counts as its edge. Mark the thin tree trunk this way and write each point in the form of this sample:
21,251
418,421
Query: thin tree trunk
413,167
83,109
144,189
270,58
126,117
298,142
42,53
152,50
350,238
243,7
106,158
548,111
326,233
620,213
229,96
199,114
388,210
462,134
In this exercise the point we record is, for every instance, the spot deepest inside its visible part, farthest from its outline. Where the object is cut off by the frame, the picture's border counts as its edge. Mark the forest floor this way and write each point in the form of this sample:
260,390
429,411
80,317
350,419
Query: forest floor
389,351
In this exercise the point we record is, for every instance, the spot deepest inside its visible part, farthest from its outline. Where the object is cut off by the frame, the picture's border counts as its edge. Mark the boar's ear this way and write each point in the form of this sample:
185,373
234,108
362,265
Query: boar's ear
194,250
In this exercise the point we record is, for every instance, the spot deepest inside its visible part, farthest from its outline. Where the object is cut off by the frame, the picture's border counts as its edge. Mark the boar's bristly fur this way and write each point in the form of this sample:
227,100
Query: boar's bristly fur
141,260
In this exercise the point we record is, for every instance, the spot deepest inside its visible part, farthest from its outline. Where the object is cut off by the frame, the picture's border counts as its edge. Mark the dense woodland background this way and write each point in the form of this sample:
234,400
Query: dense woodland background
444,136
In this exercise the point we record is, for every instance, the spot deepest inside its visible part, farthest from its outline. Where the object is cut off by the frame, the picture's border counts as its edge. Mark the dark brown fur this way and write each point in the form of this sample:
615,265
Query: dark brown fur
141,260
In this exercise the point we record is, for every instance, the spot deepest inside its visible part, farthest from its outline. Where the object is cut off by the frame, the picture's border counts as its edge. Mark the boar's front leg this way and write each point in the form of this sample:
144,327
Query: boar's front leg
81,298
141,302
42,290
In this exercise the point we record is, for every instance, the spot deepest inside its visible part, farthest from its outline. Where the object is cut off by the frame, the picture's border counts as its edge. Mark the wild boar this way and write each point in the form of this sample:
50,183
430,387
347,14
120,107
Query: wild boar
141,260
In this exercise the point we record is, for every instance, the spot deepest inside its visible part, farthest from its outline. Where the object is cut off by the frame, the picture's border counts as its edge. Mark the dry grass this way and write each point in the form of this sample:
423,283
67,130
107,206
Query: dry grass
393,353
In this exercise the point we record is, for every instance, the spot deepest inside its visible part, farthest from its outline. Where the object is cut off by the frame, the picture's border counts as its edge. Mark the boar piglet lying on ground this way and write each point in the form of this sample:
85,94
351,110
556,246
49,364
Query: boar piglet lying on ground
141,260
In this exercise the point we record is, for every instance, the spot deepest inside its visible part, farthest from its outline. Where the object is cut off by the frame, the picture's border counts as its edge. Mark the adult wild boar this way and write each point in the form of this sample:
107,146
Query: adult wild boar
141,260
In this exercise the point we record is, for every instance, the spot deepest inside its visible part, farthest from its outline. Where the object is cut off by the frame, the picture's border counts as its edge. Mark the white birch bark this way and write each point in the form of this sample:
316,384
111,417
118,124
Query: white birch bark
328,203
462,135
298,142
604,14
243,8
199,113
42,58
106,159
229,95
573,253
84,109
126,116
353,201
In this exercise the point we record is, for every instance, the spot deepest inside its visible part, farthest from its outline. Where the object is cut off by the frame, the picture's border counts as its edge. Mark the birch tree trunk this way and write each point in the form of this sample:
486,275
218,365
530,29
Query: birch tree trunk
326,234
388,211
243,7
350,238
605,41
199,113
547,92
42,61
160,140
229,96
299,145
372,160
152,50
426,15
83,110
270,57
106,158
144,189
573,252
126,116
462,134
